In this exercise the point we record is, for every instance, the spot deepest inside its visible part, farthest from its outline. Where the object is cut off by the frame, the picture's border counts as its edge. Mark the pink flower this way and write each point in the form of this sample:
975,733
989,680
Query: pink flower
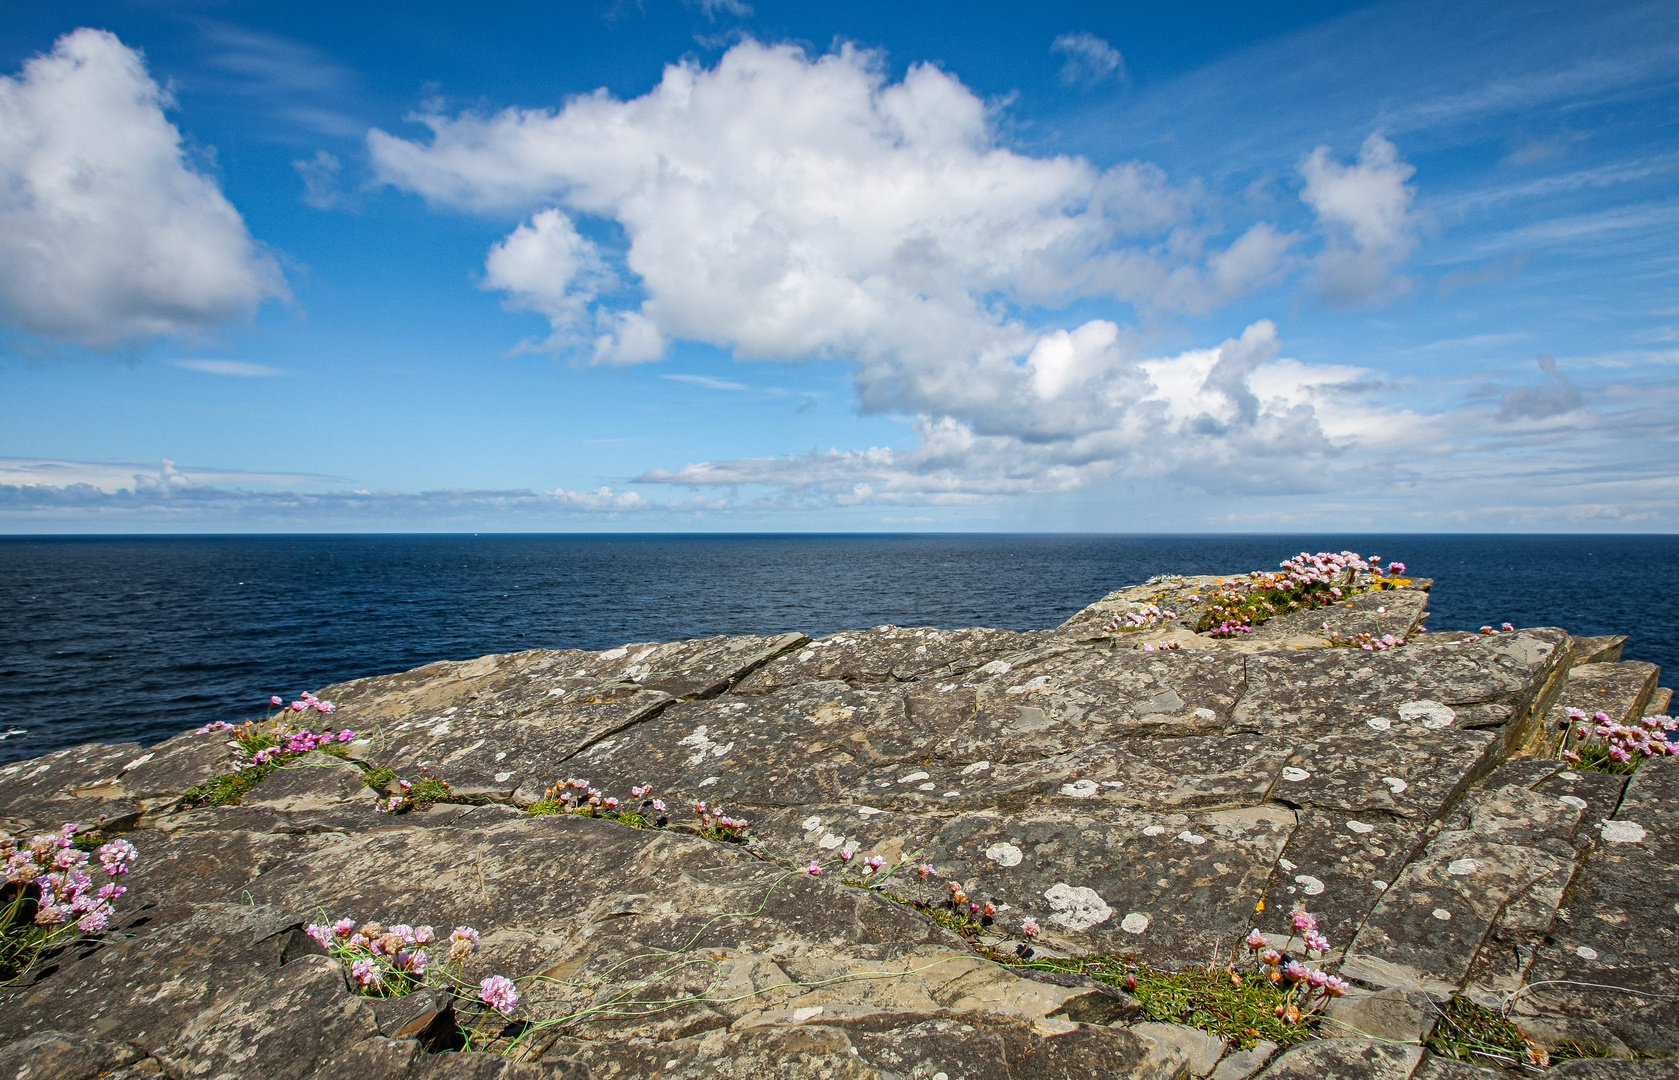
1315,940
926,871
1335,987
1295,971
1302,921
846,854
499,993
1271,956
659,805
92,922
814,869
344,927
1029,927
876,861
366,972
321,934
1255,940
274,699
1396,568
1507,626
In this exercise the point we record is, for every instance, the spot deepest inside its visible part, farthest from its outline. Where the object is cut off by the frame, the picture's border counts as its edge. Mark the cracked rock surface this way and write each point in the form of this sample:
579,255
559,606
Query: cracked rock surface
1132,801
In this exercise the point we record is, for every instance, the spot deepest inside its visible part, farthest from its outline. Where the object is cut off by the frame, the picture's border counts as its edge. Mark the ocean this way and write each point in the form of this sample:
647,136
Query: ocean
118,638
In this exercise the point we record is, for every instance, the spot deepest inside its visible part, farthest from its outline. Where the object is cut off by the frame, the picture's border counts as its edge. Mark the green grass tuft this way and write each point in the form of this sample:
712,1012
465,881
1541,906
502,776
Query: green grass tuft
1469,1032
228,787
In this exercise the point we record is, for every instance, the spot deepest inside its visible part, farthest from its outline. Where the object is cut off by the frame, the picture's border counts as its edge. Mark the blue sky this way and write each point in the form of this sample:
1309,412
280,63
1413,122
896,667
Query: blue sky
765,266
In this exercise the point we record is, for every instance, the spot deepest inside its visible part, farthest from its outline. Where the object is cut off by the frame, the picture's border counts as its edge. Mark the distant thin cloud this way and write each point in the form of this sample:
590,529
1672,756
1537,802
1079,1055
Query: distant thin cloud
1090,60
239,368
707,382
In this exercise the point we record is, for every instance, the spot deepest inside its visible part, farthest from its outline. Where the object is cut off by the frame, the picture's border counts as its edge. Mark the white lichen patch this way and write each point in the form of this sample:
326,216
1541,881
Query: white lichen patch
913,777
1004,854
996,667
1134,923
978,766
1079,789
1360,827
1080,908
702,745
1463,867
1442,914
1295,776
811,824
1572,800
1309,885
1622,832
1153,830
1380,723
1586,952
1395,784
1433,714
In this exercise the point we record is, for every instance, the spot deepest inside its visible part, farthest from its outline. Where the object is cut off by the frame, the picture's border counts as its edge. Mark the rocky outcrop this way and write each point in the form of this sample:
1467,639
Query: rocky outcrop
1134,802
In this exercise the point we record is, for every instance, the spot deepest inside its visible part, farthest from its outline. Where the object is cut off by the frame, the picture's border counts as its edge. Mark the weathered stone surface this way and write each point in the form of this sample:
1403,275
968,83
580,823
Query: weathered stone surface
1200,1050
483,754
1605,649
163,772
1132,802
1413,774
885,654
1622,690
315,781
1435,1067
28,789
1619,928
1338,865
1589,1069
1660,702
1345,1059
1425,932
57,1055
1498,680
1241,1064
1391,611
1391,1015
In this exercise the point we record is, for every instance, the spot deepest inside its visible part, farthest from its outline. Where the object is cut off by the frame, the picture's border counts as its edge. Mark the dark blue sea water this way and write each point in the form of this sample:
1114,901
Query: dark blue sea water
139,637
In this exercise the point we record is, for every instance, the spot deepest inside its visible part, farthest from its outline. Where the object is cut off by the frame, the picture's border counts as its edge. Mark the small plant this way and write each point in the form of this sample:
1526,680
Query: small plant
577,797
50,891
415,794
1367,642
1307,581
1138,618
261,746
1623,747
1469,1032
389,961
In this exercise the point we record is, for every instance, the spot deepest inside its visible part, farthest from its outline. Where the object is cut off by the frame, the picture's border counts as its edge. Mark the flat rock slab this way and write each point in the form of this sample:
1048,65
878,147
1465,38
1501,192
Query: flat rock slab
1404,769
488,755
1047,705
165,771
1605,649
1620,689
29,788
313,781
1426,930
885,654
1338,865
1389,611
1344,1059
1488,682
1620,921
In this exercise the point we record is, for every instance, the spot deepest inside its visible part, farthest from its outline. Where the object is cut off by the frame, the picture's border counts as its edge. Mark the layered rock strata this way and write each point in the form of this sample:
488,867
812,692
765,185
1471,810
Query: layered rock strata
1134,801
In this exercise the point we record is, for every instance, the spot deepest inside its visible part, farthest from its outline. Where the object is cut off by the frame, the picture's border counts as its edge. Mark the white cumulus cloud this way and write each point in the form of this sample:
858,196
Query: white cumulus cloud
1366,210
107,234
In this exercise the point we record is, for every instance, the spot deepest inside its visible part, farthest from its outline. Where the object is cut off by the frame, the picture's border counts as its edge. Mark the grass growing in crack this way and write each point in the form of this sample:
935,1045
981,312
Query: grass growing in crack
228,787
1469,1032
1574,1049
1242,1009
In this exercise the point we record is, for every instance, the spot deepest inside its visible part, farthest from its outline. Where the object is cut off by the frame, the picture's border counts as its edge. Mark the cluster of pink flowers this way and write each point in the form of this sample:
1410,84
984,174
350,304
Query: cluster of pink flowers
1367,642
1331,568
1147,615
718,825
309,701
1647,737
1160,646
57,874
388,961
1309,986
300,741
1226,628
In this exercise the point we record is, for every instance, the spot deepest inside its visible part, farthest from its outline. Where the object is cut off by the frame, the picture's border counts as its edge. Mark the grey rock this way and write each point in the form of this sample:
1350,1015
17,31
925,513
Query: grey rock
1337,865
313,781
1344,1059
1601,1069
1434,1067
1619,924
1605,649
165,771
885,654
1200,1049
1241,1064
1363,771
39,788
1391,1015
57,1055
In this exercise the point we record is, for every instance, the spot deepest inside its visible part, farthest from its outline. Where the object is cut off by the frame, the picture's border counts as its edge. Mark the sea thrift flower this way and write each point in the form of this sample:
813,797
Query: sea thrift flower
1303,921
367,973
499,993
1255,940
1271,956
814,869
1029,927
1295,971
875,861
321,934
274,699
846,854
925,870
